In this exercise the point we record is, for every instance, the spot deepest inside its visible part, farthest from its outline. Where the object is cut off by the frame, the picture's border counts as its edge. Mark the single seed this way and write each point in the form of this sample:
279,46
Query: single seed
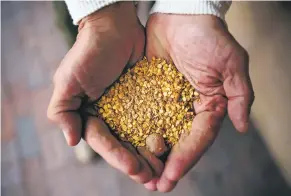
156,144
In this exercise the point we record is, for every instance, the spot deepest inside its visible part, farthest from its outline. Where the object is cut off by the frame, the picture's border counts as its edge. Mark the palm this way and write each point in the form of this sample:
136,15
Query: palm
88,69
91,68
216,66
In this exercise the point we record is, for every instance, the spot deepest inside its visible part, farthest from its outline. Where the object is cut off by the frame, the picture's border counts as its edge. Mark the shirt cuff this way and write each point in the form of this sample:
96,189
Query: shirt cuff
81,8
216,8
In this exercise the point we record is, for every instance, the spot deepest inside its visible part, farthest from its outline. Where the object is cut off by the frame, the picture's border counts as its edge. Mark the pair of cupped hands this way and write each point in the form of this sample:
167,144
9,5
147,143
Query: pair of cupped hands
201,48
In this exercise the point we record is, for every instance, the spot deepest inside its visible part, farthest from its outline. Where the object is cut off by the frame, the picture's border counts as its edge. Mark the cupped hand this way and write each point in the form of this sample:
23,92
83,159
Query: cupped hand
217,66
108,40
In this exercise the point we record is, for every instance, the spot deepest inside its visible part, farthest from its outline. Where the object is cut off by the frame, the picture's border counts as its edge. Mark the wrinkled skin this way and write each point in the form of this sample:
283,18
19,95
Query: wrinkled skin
203,51
217,66
107,41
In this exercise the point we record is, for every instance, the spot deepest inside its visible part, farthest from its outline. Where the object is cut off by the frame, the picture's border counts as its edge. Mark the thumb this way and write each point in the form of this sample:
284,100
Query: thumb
62,111
189,149
65,102
240,94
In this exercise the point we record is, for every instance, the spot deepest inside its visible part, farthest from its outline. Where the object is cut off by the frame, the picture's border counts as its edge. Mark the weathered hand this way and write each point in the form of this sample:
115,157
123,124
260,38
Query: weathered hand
217,66
108,40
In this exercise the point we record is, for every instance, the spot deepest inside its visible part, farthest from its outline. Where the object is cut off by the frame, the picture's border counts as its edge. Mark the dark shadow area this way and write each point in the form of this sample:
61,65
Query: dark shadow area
286,5
65,22
239,165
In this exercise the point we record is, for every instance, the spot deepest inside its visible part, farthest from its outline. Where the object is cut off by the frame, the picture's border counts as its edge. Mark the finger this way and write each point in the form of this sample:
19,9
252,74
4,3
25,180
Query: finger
61,111
152,185
66,99
165,185
240,94
239,106
155,163
187,152
145,174
103,142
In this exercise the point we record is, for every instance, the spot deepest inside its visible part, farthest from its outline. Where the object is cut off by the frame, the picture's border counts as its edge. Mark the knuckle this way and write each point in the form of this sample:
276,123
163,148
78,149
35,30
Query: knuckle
133,168
174,176
130,166
179,168
148,175
111,148
145,178
53,114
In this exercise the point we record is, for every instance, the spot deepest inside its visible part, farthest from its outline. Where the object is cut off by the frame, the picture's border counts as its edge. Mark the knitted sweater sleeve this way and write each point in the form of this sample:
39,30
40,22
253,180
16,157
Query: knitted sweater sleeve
82,8
217,8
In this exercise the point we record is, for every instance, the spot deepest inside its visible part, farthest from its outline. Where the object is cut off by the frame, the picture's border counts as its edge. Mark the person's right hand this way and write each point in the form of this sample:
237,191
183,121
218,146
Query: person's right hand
108,40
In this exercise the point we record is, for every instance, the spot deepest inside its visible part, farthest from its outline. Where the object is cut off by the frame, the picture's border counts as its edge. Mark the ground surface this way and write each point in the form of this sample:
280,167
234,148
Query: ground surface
36,161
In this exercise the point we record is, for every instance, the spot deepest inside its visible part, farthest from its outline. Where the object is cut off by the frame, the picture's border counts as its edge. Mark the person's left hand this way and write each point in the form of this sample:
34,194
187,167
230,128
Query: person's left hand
217,66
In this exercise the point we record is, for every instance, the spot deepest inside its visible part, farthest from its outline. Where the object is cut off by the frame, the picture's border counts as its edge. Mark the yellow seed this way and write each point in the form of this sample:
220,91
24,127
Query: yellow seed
152,97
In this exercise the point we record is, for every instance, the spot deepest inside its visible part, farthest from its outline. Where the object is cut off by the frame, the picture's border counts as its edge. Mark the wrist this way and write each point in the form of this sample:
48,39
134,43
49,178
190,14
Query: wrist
114,14
79,9
179,19
197,7
170,23
176,28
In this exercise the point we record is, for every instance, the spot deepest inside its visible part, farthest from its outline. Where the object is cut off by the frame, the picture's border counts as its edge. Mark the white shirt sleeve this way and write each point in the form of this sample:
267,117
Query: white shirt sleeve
217,8
81,8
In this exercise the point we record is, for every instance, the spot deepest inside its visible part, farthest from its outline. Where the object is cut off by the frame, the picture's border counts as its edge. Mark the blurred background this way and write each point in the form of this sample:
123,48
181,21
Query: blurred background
35,160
